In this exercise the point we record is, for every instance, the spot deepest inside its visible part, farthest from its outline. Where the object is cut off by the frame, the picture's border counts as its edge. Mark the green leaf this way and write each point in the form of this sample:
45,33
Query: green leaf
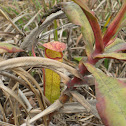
78,59
111,100
55,32
121,56
8,48
76,16
106,63
116,46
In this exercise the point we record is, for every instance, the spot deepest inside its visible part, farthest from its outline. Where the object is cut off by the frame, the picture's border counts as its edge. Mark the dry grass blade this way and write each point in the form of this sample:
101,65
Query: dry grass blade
63,27
15,20
100,5
12,93
32,89
32,38
14,88
15,112
63,76
37,62
23,97
7,34
3,113
71,107
39,95
6,16
56,105
29,24
75,107
5,124
84,102
32,19
27,75
13,77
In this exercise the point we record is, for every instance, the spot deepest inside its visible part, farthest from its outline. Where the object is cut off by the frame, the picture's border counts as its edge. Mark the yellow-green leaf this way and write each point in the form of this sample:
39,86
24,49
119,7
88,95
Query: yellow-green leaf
110,95
116,46
77,16
121,56
99,46
52,85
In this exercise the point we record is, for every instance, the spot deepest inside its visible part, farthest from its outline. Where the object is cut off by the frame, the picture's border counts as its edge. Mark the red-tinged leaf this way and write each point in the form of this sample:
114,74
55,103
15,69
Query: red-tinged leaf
8,48
110,95
114,26
94,24
115,46
121,56
76,16
122,25
55,46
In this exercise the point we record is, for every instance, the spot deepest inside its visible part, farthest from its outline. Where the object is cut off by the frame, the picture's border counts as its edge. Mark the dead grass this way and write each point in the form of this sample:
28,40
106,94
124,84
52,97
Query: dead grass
21,89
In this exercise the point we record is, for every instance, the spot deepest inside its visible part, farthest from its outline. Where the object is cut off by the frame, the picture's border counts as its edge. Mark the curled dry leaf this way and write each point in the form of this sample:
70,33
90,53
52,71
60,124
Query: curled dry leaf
56,105
5,124
12,93
7,34
37,62
3,113
84,103
30,82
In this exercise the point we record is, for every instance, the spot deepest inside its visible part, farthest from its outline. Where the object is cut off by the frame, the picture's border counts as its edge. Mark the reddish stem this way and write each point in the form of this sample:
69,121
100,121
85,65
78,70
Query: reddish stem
83,71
